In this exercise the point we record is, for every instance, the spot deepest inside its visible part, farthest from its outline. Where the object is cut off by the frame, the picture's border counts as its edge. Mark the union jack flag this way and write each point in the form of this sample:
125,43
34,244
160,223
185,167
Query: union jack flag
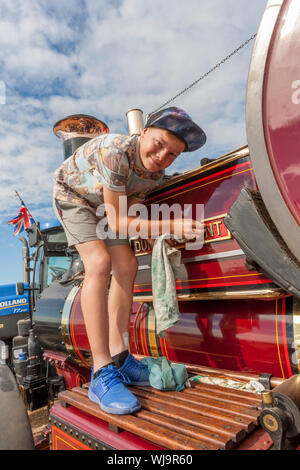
24,219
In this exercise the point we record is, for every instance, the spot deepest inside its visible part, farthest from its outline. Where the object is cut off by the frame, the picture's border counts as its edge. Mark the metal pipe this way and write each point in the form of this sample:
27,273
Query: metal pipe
25,258
135,121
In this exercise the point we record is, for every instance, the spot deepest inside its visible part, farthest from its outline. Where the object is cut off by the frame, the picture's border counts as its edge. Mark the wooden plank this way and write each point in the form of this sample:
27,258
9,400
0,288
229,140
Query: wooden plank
225,398
134,423
247,423
230,431
198,399
216,436
205,416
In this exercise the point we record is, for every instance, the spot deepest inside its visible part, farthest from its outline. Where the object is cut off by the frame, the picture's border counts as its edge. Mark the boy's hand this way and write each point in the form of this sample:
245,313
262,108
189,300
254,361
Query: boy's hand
188,228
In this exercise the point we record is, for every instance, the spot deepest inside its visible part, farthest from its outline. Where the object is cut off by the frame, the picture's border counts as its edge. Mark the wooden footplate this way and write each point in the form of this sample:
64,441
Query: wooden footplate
203,417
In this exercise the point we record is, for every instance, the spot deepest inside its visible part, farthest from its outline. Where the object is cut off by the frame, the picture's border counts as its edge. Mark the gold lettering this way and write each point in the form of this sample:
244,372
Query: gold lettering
209,230
144,245
217,224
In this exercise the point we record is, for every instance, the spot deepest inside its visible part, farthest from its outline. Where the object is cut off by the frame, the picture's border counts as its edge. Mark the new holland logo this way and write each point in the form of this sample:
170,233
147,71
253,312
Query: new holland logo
12,303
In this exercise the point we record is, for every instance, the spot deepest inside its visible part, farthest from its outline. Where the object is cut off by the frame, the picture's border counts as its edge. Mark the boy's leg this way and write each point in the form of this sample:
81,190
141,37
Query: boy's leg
97,264
124,268
106,388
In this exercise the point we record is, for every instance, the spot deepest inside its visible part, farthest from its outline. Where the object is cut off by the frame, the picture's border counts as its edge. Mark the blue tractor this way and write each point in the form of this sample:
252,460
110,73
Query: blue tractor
13,308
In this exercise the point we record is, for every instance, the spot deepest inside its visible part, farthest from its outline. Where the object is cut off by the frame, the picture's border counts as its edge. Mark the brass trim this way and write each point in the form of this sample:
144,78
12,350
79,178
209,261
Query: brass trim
163,197
212,256
194,259
267,397
229,157
263,294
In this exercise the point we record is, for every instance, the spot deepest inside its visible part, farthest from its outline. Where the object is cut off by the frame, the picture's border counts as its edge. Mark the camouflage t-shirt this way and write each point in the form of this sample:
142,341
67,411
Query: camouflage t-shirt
110,160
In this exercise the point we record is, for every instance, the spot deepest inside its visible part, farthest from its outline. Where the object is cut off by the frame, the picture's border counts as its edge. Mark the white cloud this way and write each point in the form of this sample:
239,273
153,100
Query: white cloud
102,58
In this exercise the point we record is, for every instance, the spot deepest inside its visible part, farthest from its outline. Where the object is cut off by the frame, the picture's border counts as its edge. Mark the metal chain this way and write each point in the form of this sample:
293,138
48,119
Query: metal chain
205,75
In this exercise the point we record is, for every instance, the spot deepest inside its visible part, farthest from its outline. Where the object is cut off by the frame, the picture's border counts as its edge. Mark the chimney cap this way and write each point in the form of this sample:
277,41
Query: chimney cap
79,125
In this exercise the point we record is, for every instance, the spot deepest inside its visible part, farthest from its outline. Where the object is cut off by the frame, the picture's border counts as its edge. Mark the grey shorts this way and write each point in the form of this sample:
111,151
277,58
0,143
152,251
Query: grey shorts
80,222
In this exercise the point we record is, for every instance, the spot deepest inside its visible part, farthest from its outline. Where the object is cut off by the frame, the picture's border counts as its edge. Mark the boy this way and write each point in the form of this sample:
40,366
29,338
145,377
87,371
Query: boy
99,172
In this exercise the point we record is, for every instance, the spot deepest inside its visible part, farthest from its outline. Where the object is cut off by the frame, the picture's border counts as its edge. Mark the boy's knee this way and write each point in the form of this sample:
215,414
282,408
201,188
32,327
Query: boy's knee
100,266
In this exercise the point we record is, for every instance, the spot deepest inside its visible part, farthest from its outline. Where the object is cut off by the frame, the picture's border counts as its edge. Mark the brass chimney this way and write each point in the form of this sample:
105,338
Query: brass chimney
77,129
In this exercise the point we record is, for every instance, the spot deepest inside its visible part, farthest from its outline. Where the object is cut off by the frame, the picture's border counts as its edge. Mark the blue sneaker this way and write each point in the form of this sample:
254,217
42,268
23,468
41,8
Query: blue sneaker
137,373
108,391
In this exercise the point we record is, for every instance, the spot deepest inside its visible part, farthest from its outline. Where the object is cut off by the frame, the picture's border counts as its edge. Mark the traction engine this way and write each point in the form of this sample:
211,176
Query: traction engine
239,294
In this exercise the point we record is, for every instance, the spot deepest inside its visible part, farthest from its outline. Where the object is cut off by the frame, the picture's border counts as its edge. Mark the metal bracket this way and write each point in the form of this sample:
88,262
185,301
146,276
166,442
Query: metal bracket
265,380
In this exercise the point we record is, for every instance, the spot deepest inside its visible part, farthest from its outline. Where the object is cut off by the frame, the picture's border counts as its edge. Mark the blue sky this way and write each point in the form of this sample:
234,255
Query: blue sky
103,57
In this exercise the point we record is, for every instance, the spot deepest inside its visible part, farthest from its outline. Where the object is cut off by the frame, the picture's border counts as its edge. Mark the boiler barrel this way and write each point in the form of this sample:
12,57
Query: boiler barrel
255,336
